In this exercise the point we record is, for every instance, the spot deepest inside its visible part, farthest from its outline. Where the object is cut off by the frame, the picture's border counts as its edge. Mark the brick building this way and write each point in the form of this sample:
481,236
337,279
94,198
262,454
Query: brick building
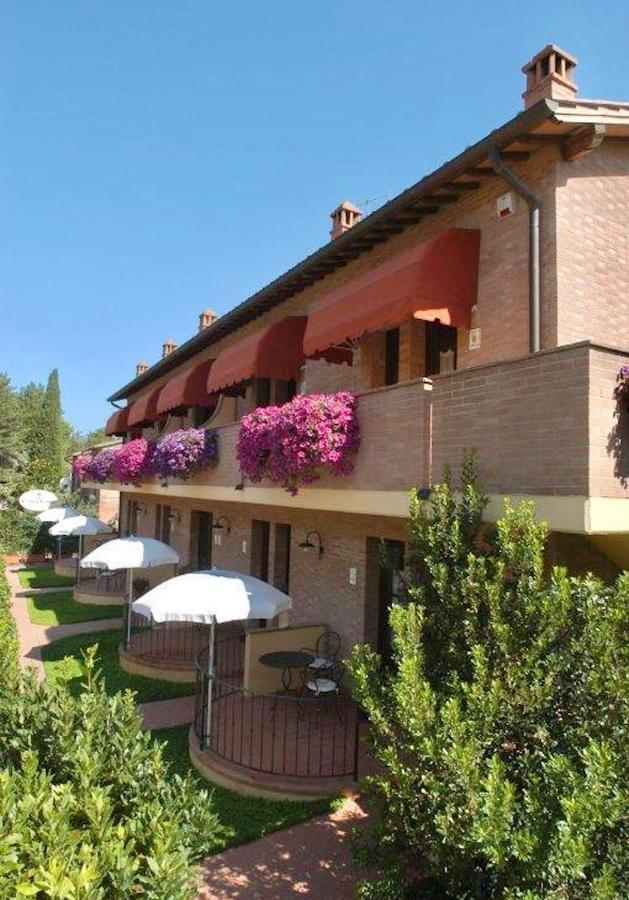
487,306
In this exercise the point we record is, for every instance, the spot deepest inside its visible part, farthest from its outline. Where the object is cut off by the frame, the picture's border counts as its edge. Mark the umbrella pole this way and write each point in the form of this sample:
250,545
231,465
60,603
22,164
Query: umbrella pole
59,547
210,685
127,634
78,562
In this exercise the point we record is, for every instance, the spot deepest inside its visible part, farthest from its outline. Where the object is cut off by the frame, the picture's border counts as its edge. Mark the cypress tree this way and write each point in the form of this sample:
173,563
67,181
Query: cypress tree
52,422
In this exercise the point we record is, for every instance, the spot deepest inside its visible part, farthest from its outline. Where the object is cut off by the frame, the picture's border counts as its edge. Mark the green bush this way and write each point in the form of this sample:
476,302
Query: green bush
501,729
89,809
21,532
9,669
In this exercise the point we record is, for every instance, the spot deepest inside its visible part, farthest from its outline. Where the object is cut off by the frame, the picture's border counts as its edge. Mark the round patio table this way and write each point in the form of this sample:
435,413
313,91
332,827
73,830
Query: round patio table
287,660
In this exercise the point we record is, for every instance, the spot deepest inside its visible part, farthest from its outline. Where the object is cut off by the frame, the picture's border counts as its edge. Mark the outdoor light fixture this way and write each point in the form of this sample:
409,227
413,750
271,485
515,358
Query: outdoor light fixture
175,515
308,545
141,510
222,522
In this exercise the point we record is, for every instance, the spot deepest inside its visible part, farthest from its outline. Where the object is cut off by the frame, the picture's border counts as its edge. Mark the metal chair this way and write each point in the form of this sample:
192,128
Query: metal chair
326,688
325,653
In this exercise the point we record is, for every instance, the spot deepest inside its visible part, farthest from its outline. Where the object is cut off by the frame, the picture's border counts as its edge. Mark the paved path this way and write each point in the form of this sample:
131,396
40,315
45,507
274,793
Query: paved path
166,713
311,860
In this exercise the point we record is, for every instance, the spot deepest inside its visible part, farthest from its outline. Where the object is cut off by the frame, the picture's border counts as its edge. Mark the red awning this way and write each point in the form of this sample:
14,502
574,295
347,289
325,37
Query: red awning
272,352
144,409
187,389
437,280
117,422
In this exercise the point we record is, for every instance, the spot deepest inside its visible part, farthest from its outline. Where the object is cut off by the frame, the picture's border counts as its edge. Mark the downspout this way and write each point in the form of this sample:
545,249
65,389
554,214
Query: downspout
534,205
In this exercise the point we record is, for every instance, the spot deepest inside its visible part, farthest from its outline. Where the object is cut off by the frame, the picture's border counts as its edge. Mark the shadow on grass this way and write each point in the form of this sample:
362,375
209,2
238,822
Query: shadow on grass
61,609
116,679
43,577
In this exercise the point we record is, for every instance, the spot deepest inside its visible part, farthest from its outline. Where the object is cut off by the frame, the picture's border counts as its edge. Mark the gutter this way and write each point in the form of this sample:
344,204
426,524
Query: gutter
534,205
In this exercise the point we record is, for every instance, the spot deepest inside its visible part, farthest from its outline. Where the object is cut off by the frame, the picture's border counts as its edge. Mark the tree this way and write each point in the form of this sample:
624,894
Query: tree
53,428
501,730
9,438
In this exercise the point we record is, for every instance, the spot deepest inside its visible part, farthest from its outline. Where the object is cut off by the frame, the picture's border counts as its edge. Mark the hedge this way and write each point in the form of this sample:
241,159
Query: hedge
89,809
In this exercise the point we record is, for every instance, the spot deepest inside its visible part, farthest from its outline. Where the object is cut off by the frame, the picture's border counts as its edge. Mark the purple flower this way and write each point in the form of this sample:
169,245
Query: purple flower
185,452
99,467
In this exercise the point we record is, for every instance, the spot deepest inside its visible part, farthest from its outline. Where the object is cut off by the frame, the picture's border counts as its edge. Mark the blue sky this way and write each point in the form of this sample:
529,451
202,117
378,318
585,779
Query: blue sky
158,157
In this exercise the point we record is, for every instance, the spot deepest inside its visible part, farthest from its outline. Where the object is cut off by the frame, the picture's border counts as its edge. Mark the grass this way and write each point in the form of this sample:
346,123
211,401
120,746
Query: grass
116,679
61,609
243,818
43,577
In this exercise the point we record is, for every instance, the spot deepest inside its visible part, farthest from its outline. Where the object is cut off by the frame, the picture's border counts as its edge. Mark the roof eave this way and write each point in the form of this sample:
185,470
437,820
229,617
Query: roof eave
253,306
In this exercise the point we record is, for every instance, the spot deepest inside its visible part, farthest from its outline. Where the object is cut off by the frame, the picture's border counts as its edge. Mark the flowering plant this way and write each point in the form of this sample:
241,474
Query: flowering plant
289,444
132,460
98,467
79,465
621,391
184,452
179,454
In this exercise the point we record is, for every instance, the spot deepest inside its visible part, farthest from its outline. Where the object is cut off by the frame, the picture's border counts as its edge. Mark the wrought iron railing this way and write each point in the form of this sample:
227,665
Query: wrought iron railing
294,735
179,643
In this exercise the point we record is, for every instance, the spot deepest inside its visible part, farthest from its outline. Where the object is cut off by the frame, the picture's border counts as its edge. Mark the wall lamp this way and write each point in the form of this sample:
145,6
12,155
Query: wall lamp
308,545
222,522
141,510
175,515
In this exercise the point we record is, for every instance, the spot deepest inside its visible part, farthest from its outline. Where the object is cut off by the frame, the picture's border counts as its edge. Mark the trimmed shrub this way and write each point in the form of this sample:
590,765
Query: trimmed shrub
501,728
89,809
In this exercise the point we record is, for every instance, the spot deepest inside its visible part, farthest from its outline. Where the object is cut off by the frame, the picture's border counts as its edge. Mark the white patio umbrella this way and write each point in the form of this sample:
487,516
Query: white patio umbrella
208,598
56,514
36,500
78,526
130,553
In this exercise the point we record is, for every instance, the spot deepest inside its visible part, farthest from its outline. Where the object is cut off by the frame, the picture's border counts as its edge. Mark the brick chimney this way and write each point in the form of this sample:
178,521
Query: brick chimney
344,217
167,347
550,74
141,368
206,318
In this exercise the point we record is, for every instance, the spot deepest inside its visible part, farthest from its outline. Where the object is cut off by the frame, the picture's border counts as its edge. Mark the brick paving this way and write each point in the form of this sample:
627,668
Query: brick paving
311,860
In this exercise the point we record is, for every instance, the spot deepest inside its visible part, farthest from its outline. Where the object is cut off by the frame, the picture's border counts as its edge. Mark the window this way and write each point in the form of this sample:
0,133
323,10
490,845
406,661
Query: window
132,516
161,530
260,534
262,391
201,539
281,558
392,356
285,391
440,348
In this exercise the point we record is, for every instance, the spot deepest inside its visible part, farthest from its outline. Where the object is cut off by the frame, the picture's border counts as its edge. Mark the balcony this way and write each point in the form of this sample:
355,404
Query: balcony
543,425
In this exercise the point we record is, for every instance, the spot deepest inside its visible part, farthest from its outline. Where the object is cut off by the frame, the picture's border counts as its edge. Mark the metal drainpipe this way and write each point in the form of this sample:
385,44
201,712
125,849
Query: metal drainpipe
534,207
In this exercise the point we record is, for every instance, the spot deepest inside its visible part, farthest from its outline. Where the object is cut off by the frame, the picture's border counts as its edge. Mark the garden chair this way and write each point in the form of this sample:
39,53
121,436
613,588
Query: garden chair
325,652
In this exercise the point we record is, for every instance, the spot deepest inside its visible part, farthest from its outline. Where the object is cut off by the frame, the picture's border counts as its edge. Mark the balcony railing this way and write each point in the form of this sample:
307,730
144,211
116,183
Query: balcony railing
284,735
542,424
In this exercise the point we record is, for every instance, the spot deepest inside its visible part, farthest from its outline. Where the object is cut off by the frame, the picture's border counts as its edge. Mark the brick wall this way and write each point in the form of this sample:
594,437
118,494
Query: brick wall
528,420
320,587
592,199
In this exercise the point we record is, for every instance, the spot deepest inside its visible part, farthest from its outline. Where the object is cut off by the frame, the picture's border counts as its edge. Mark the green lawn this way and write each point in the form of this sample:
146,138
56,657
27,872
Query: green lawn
43,577
244,818
116,679
61,609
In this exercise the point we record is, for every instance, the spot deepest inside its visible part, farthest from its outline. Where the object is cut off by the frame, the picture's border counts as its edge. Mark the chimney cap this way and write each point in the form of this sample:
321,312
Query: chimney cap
208,311
546,51
347,204
550,74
